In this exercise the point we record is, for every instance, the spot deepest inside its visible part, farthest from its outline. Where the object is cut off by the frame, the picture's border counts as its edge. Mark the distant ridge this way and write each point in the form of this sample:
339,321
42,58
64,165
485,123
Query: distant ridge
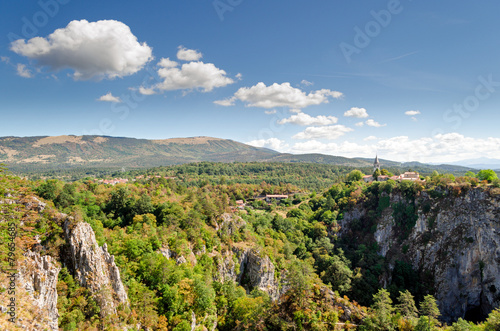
44,153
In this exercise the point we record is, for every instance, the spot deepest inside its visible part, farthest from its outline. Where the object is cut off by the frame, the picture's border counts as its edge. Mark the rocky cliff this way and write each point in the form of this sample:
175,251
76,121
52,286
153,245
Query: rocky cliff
258,272
250,269
38,276
93,267
455,238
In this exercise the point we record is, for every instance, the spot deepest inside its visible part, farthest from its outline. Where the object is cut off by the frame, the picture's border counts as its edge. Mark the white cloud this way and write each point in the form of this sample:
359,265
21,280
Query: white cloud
412,112
356,112
23,72
272,143
193,75
270,112
414,119
167,63
225,102
441,148
239,76
5,59
307,120
323,132
185,54
102,49
306,83
370,138
282,95
346,148
374,123
295,110
146,91
109,98
360,124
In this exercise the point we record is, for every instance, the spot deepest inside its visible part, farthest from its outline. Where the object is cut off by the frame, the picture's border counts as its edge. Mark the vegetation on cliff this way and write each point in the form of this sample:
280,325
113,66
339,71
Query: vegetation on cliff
180,245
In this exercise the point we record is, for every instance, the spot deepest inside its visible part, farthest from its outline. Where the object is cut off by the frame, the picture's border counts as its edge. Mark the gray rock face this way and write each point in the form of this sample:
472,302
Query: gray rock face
226,268
38,275
94,268
230,223
259,272
458,242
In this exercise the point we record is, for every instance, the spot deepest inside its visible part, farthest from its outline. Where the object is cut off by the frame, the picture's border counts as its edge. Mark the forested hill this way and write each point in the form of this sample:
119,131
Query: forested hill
43,153
101,151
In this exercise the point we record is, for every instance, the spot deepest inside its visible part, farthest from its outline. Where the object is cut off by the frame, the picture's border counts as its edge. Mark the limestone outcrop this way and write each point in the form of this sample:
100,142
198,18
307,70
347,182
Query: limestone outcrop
456,239
93,267
258,271
38,276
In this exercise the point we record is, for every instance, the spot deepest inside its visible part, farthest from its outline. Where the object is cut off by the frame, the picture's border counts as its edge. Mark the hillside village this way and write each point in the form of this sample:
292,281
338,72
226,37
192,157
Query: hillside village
379,177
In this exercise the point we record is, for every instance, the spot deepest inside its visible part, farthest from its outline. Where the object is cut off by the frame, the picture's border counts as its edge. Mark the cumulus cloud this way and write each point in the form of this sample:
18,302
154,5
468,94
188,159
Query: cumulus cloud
239,76
167,63
346,148
23,71
441,148
374,123
306,83
356,112
272,143
109,98
185,54
270,112
360,124
225,102
307,120
102,49
294,110
412,112
193,75
146,91
370,138
323,132
281,95
5,59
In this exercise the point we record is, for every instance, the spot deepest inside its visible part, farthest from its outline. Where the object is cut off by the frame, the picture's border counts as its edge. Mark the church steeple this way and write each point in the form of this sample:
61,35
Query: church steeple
376,164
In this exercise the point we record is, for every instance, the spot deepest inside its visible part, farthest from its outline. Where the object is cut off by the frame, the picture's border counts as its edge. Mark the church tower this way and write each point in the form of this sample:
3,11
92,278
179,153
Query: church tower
376,164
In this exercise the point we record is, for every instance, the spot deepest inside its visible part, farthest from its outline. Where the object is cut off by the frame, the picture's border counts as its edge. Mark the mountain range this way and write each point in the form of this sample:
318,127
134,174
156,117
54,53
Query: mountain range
31,154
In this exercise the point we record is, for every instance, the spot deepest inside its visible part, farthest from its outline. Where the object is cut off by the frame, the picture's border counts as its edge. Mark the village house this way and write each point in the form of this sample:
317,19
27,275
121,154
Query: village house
113,181
409,175
275,197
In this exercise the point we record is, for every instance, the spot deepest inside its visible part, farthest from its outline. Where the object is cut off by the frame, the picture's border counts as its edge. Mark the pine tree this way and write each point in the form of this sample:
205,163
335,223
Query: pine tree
406,306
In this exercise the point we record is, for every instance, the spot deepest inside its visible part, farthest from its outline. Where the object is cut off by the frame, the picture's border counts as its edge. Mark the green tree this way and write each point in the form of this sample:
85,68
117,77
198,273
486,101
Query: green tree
424,324
382,313
493,321
487,174
386,172
338,273
376,173
406,306
470,174
67,197
48,190
355,176
299,277
429,308
463,325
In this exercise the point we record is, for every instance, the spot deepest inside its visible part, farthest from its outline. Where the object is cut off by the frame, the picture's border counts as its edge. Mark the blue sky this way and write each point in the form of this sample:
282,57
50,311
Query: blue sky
409,80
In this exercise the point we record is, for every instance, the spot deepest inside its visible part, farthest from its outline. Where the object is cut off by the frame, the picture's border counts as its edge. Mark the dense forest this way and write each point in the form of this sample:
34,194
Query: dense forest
206,215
